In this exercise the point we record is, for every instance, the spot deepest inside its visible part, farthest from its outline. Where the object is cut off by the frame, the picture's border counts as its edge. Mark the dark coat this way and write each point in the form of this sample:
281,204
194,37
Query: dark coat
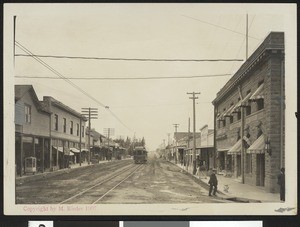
213,179
281,179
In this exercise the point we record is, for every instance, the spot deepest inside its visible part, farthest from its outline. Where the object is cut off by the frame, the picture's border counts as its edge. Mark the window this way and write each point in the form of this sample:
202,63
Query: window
239,115
260,104
82,131
224,122
27,113
77,130
65,125
56,122
248,110
231,119
248,107
71,127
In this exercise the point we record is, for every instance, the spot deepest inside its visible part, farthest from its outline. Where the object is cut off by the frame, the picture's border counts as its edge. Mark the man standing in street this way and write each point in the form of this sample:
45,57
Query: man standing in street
213,183
281,182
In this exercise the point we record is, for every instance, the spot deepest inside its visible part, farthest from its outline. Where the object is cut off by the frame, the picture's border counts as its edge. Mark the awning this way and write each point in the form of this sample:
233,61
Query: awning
258,94
229,112
85,150
236,148
222,149
60,149
74,150
258,147
240,103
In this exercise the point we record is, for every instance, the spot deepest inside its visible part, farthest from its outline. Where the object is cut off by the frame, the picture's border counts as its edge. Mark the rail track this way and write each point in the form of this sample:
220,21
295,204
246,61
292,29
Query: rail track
97,192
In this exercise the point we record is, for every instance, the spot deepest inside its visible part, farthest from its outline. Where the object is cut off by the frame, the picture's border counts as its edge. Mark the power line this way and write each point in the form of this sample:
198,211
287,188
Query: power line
125,59
218,26
66,79
125,78
57,73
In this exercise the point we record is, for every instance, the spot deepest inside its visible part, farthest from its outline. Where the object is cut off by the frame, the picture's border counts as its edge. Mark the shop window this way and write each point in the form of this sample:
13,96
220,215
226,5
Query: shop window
27,113
224,122
239,115
231,119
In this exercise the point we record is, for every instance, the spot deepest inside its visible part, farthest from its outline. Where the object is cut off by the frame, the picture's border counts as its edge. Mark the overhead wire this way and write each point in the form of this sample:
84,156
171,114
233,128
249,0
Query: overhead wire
218,26
67,80
242,43
126,78
126,59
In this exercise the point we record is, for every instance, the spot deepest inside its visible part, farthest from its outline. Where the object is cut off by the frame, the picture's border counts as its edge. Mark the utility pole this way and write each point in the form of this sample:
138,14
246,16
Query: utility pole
14,44
90,113
108,132
168,139
189,137
176,149
246,36
80,126
194,127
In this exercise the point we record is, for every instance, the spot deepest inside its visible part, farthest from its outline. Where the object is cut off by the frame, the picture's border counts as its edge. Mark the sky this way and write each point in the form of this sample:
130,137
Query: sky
146,108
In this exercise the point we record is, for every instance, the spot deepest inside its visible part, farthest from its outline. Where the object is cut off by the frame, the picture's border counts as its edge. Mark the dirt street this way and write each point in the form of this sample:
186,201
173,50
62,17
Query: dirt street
158,181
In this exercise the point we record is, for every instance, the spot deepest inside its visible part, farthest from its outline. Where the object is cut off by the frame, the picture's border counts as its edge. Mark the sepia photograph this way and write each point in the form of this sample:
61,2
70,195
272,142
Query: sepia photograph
150,109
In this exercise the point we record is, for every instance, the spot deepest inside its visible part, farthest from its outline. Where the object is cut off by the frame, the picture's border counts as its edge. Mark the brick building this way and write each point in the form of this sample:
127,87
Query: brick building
249,117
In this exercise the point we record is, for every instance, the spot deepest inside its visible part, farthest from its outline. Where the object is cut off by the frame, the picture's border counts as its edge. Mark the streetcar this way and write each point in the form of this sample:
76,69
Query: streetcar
139,155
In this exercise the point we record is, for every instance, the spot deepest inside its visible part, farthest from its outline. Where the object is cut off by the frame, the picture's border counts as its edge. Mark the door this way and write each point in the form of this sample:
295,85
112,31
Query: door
260,161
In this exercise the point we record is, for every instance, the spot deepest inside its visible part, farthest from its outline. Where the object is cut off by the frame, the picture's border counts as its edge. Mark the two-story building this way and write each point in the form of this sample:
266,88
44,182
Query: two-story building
249,117
67,132
32,130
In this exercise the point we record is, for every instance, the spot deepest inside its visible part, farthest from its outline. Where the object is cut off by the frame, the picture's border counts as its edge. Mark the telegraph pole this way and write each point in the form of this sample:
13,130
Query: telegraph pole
108,132
176,126
90,113
247,36
194,128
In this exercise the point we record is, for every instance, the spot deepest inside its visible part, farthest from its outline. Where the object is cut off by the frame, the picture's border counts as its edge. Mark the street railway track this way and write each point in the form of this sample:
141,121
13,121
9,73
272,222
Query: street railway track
101,189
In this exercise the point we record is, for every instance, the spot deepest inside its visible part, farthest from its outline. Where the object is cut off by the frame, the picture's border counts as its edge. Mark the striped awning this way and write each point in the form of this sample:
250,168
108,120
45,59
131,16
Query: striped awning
228,113
222,149
236,148
60,149
258,94
240,103
74,150
258,147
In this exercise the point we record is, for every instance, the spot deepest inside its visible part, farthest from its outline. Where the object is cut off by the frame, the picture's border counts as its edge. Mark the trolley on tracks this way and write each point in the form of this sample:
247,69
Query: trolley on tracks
139,155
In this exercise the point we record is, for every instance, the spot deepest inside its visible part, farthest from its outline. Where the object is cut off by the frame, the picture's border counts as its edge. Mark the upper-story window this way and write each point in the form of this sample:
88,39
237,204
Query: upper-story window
27,113
77,130
65,125
71,127
260,102
82,131
56,122
248,107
